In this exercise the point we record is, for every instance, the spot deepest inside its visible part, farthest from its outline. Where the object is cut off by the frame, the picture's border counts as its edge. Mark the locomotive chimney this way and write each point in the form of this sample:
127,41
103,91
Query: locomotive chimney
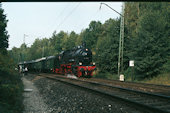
84,44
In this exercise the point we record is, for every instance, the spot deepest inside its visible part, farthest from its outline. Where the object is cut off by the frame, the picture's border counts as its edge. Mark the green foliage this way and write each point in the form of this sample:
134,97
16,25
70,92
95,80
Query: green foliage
151,45
79,39
69,41
16,55
11,87
106,75
107,47
3,33
128,73
132,12
58,39
166,66
91,34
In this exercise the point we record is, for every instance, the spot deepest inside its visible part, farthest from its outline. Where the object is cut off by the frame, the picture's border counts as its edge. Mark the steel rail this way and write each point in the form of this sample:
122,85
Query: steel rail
127,89
117,87
166,86
134,103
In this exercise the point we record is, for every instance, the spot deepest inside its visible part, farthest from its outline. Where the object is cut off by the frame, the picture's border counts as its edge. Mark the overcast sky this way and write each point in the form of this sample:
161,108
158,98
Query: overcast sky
39,20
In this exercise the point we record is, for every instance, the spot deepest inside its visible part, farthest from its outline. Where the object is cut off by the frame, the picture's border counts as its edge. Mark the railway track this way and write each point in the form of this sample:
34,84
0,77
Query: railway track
152,88
147,102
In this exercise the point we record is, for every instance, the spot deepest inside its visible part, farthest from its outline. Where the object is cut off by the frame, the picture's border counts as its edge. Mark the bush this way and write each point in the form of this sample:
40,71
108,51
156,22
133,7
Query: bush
106,75
166,66
11,87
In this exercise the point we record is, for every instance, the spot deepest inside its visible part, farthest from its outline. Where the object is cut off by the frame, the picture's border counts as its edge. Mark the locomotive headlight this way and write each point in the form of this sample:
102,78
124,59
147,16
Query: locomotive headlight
80,63
84,54
94,63
86,49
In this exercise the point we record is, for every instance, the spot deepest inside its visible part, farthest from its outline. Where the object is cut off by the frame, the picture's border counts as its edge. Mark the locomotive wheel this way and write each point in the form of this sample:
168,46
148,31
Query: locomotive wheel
75,73
83,74
89,76
74,70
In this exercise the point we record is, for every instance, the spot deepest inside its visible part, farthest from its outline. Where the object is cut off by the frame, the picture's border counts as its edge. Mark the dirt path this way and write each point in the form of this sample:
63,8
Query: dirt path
33,102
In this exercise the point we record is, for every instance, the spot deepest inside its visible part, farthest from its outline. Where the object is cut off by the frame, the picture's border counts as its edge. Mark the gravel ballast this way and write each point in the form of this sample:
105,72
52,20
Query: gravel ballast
56,97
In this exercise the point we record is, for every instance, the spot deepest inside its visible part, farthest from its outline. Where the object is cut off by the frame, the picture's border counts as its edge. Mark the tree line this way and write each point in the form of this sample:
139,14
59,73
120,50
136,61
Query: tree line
146,41
11,86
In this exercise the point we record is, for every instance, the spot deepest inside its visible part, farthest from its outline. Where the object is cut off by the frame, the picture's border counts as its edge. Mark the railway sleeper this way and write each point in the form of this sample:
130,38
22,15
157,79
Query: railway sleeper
158,103
139,100
164,106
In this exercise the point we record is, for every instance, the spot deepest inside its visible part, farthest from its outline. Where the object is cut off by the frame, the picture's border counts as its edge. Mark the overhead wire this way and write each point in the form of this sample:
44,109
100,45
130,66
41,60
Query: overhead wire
57,17
59,25
93,15
100,18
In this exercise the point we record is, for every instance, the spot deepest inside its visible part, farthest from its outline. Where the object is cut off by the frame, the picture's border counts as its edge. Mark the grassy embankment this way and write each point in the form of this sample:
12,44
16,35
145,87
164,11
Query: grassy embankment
11,87
162,79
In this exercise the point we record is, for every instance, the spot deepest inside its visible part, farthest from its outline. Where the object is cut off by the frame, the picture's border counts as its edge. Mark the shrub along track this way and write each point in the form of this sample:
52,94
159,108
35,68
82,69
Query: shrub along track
147,102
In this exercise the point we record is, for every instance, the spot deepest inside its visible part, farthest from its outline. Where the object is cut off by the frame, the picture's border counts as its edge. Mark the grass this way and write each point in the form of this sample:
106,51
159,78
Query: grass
105,75
162,79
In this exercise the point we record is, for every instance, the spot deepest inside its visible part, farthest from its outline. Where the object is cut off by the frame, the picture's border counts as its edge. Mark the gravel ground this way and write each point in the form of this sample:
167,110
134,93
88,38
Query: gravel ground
33,102
49,96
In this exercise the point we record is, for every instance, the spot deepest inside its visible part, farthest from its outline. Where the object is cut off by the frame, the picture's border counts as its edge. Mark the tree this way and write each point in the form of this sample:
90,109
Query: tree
107,47
147,36
35,50
3,33
58,41
91,34
15,54
152,44
132,13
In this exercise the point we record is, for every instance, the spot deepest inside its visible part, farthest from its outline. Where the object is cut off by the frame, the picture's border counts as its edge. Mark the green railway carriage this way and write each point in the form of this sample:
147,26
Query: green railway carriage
49,64
30,66
45,64
39,64
26,64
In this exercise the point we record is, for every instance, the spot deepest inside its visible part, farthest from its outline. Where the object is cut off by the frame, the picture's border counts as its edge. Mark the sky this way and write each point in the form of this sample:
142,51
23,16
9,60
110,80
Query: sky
40,20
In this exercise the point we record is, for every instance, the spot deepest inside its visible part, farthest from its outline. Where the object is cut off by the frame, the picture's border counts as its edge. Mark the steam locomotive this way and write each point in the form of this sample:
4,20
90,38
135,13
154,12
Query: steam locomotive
76,61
